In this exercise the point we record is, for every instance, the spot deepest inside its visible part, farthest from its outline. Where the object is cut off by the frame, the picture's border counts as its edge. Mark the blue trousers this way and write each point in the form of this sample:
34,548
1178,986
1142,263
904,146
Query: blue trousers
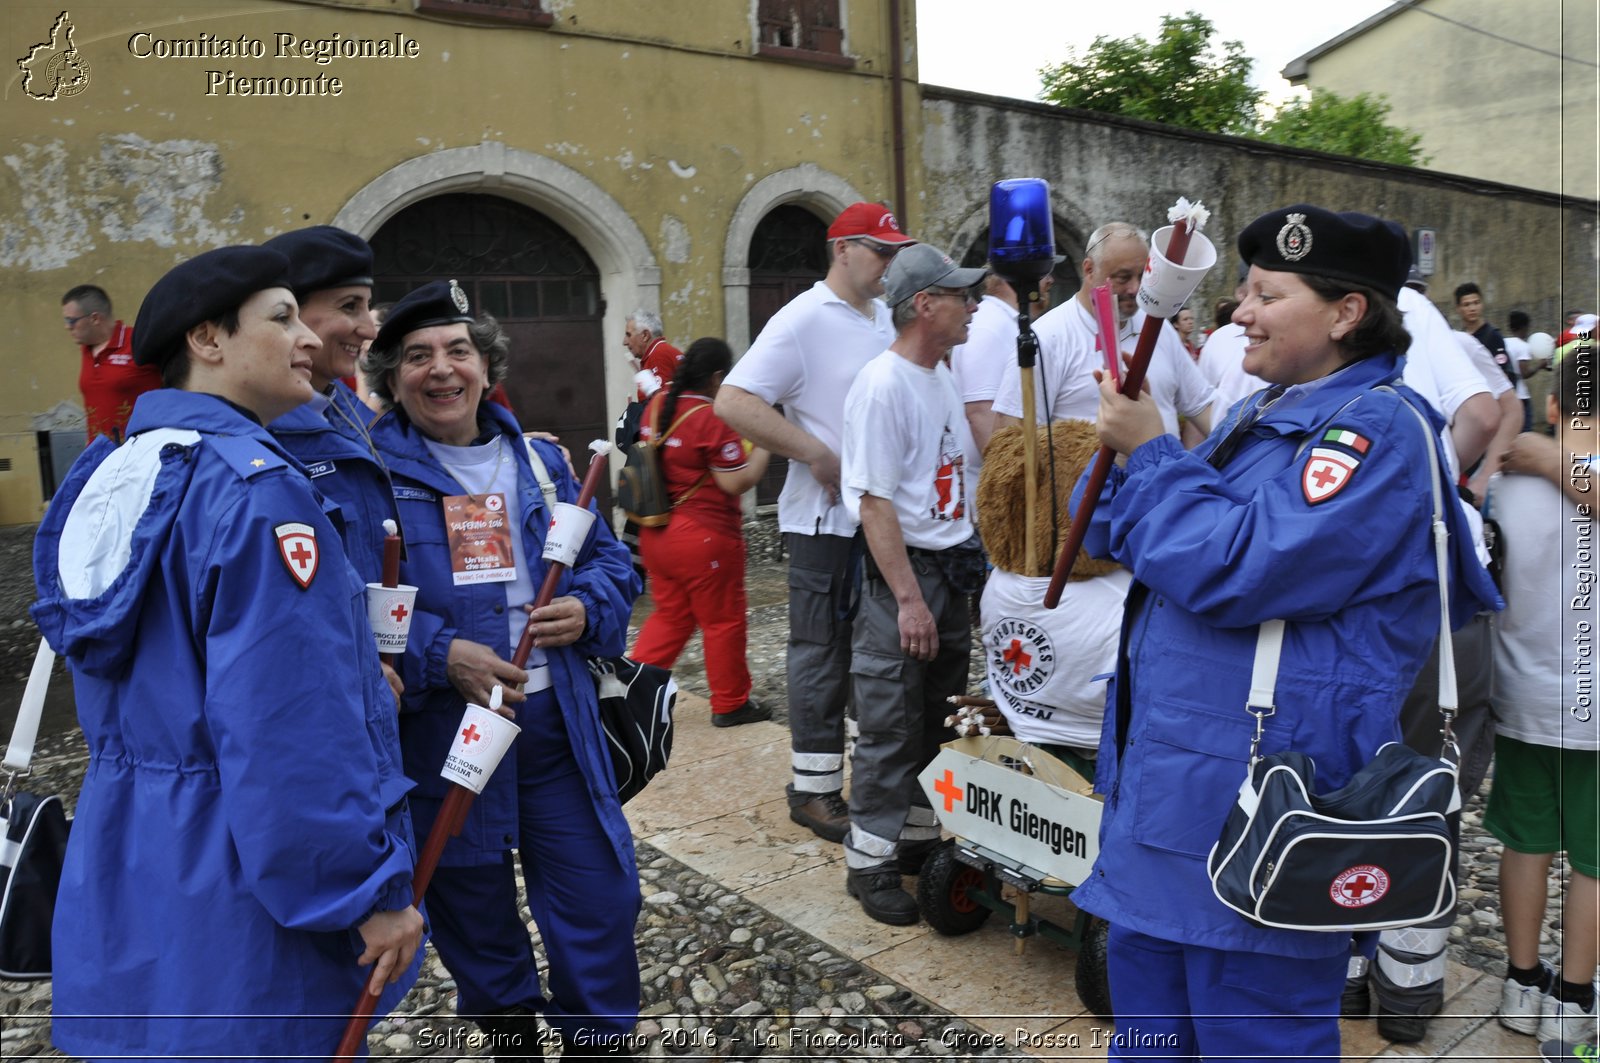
1189,1002
583,902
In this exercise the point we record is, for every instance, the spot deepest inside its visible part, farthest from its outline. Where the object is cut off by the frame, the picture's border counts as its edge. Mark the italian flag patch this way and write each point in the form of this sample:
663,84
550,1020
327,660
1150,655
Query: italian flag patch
1334,460
1346,438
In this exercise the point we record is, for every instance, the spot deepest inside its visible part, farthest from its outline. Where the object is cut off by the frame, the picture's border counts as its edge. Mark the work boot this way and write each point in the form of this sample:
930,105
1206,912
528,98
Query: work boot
1356,1001
909,857
1401,1028
878,890
514,1035
826,815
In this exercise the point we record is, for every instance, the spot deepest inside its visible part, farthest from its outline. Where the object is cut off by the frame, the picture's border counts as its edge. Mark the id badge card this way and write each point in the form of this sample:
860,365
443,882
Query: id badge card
480,539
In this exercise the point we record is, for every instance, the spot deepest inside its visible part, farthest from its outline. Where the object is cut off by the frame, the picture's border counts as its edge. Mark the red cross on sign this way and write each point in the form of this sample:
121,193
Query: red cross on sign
471,735
1016,657
400,612
947,789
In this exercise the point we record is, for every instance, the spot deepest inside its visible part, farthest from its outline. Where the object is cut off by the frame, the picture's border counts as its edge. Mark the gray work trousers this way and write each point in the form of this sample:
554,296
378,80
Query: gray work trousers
821,585
901,704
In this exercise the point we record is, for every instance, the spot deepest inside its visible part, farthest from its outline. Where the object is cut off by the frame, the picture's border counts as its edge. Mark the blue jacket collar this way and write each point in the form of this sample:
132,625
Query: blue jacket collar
1294,414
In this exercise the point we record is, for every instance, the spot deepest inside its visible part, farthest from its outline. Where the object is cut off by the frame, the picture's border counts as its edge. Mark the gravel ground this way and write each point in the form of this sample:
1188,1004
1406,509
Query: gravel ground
722,977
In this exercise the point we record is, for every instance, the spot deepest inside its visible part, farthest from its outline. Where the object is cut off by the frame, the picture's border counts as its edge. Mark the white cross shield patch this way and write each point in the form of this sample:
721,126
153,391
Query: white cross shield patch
1326,474
297,545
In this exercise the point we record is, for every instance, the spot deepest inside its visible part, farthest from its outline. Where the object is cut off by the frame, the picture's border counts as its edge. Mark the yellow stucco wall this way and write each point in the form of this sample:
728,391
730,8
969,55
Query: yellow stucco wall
1484,106
652,125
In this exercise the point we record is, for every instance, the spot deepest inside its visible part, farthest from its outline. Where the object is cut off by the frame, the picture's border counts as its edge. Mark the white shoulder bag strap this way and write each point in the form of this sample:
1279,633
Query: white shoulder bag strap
546,485
19,752
1269,637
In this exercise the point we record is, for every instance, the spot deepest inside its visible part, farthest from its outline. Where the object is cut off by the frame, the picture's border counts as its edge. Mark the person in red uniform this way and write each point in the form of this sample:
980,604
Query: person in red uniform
109,379
642,335
696,561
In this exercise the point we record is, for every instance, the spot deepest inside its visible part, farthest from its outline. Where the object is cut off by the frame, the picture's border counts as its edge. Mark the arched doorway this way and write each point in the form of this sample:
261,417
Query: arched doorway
788,254
537,281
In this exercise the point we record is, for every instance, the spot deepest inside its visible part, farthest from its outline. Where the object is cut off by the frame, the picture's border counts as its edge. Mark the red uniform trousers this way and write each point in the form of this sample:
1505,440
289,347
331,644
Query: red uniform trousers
697,580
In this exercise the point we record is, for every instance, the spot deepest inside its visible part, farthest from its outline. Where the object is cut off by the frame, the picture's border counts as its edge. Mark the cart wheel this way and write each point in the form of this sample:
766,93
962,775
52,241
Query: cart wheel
1094,986
942,893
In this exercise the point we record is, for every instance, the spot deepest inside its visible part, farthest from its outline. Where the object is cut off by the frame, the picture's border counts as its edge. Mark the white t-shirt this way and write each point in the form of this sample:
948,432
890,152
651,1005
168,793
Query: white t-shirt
1068,358
1493,377
1517,348
979,363
1544,642
1436,368
1048,668
1222,364
906,440
805,359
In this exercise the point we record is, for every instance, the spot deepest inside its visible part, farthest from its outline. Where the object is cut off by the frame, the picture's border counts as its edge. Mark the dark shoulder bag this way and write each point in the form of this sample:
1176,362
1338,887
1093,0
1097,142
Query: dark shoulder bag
33,844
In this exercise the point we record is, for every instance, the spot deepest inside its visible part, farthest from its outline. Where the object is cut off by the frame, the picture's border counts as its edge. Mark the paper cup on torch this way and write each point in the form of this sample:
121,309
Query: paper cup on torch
1167,285
568,529
389,612
481,740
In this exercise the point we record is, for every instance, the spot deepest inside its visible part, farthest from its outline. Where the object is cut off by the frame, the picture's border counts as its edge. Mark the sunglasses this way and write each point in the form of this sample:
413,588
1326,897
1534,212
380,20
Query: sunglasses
881,250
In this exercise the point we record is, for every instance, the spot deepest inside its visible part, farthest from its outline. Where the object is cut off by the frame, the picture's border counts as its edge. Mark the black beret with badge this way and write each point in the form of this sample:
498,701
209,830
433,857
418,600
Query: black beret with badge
1345,246
435,303
205,288
324,256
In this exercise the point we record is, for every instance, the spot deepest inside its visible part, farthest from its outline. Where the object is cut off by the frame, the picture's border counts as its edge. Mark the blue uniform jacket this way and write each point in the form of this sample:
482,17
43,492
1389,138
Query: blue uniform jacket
243,808
603,579
343,465
1216,551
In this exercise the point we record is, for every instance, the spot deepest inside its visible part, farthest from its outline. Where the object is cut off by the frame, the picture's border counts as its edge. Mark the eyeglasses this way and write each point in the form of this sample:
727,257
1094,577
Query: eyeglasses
72,321
964,295
881,250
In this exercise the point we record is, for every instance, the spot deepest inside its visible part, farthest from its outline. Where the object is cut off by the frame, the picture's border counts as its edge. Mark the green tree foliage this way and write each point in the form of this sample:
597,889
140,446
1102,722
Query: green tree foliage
1344,125
1182,80
1179,79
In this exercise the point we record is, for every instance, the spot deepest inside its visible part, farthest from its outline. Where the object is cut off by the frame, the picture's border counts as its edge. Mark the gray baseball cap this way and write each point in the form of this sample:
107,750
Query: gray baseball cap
922,266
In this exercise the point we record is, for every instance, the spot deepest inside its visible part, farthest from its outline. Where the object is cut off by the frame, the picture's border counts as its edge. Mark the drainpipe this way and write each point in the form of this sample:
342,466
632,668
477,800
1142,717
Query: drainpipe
897,118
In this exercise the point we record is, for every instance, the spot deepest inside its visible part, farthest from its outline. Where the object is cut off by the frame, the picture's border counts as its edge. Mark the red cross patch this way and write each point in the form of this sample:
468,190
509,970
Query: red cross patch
1359,886
1326,474
297,545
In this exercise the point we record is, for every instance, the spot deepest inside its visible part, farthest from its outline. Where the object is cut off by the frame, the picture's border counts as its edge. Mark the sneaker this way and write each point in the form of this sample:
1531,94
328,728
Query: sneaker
749,712
827,816
1566,1052
1401,1029
878,890
1521,1006
1356,1001
1564,1020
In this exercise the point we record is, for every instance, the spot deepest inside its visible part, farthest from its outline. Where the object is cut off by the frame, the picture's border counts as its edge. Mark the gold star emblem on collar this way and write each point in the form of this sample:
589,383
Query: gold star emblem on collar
258,462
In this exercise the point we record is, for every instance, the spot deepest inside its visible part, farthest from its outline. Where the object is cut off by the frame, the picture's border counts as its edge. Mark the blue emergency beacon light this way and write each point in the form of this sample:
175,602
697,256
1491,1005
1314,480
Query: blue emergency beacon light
1022,251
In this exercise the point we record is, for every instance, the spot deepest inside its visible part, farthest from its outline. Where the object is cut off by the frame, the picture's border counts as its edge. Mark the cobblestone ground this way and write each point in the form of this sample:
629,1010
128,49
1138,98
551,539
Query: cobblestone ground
722,978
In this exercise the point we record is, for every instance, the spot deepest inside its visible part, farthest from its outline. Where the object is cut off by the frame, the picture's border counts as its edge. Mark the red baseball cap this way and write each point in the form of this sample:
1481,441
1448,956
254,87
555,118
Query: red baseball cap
871,220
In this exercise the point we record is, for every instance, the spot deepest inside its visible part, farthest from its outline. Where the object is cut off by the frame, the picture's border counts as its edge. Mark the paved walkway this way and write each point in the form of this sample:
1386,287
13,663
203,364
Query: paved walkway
720,809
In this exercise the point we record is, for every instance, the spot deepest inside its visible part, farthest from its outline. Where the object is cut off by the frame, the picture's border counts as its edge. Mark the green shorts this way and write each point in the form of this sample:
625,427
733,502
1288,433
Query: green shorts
1532,782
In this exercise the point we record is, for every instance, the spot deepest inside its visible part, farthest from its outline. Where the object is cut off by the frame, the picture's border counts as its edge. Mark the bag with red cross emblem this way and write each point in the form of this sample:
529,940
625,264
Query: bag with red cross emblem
1375,854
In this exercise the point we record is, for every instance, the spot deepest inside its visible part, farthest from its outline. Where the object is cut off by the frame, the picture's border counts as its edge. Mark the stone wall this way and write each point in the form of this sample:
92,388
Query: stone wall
1528,249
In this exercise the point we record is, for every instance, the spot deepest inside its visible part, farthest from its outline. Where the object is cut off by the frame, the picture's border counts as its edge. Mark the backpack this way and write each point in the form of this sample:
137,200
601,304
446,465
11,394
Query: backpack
641,487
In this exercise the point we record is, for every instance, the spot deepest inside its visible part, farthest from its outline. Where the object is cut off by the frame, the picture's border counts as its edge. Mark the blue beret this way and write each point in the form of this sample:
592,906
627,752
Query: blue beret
204,288
435,303
1345,246
323,256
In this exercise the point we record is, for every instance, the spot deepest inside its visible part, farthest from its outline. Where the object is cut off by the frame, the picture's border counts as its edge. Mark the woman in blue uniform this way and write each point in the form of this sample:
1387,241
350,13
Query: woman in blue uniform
1310,503
241,849
330,271
475,520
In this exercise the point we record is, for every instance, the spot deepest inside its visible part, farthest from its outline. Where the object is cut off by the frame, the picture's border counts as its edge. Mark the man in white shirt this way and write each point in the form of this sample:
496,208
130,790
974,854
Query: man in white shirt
1069,349
805,359
904,458
1222,360
991,345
